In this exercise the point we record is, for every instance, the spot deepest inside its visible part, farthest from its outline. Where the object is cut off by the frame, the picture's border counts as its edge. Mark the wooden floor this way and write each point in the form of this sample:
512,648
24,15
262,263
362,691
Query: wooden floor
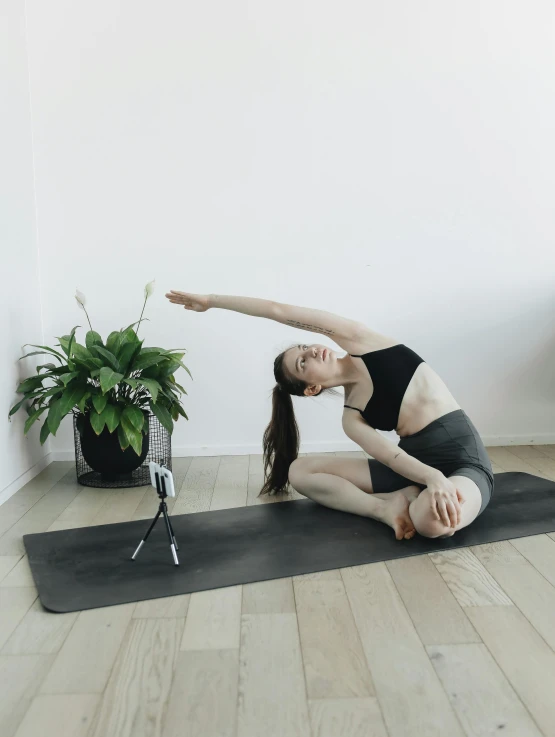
455,644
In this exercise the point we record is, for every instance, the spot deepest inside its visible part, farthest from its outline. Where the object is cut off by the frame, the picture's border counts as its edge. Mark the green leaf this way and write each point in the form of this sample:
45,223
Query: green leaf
50,366
16,407
108,379
100,401
134,436
93,338
30,384
136,323
83,401
123,441
66,378
110,358
163,416
181,411
81,353
35,353
55,416
44,432
153,387
133,416
48,350
97,422
112,415
60,407
145,360
186,369
127,354
66,341
113,344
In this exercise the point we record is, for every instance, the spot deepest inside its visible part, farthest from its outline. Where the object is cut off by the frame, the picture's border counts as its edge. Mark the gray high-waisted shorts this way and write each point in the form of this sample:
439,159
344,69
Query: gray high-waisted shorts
452,445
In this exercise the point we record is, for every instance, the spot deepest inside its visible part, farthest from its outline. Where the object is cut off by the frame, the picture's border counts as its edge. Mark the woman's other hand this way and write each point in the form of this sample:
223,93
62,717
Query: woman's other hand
196,302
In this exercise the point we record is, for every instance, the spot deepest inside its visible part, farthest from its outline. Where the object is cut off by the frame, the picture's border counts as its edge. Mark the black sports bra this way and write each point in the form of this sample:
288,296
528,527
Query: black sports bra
391,370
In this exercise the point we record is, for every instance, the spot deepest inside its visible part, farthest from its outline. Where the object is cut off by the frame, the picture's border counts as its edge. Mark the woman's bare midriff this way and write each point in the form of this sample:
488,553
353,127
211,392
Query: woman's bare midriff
426,399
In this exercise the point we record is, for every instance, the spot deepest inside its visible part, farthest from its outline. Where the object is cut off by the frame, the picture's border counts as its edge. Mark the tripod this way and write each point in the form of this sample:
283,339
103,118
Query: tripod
163,509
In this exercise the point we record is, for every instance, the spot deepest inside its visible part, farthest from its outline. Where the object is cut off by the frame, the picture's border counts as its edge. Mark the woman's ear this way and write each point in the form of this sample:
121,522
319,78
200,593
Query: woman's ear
310,391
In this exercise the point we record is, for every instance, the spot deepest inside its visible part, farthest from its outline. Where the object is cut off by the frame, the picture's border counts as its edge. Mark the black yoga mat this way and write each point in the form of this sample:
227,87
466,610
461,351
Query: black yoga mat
91,566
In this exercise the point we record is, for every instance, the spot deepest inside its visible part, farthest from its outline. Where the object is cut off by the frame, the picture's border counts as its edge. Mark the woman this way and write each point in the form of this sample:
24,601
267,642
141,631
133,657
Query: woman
436,481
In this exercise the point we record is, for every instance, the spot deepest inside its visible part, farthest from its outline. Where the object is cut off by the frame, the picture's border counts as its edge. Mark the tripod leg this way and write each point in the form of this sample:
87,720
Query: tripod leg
143,541
168,527
173,535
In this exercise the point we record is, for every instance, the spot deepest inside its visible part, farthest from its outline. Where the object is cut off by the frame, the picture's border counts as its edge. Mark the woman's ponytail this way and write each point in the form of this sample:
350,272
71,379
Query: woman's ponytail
280,443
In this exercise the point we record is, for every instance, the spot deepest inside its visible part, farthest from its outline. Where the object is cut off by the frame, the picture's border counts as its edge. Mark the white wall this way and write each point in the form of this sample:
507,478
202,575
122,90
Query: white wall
21,457
392,162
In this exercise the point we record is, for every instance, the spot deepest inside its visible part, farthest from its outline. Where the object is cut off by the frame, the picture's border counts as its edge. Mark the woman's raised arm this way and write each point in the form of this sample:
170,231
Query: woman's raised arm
304,318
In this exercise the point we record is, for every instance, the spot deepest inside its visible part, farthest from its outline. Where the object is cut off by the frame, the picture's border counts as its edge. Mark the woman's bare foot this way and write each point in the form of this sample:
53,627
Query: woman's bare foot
396,514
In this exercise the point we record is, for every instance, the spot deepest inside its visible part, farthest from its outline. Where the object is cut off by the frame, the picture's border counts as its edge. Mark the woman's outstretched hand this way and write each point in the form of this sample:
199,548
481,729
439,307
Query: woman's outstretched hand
196,302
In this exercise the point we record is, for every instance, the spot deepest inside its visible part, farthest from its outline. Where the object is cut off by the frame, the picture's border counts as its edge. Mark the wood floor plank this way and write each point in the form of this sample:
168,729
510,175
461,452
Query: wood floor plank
334,663
20,676
467,578
508,461
346,718
269,597
60,715
121,505
86,658
522,655
40,516
548,450
173,607
86,505
539,550
437,616
7,564
198,485
203,698
39,632
213,620
528,589
14,605
272,693
135,699
411,696
13,509
230,489
484,700
20,575
536,458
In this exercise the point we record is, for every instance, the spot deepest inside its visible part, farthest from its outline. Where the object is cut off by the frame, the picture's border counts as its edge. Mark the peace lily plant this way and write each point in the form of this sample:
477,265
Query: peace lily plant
110,385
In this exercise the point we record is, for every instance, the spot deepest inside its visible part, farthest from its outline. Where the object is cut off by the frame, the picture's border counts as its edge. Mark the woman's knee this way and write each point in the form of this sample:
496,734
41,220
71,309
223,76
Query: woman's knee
297,469
424,519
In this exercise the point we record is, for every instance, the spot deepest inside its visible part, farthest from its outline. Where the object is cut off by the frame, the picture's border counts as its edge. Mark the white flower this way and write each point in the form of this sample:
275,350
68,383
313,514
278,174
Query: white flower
81,300
149,288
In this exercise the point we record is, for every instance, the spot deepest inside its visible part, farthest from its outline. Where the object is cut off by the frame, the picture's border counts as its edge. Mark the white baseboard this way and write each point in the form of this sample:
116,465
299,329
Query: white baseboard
321,447
16,485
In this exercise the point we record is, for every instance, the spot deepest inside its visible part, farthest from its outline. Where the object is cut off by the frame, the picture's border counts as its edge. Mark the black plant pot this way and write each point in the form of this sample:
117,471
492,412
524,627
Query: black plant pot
103,453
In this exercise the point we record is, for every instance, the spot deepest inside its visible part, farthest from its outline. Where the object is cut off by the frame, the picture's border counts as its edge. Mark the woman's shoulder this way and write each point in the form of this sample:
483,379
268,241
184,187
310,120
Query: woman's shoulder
369,340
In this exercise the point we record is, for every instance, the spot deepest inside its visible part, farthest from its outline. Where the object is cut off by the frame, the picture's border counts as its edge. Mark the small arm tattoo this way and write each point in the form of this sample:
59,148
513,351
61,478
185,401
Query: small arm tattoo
396,456
312,328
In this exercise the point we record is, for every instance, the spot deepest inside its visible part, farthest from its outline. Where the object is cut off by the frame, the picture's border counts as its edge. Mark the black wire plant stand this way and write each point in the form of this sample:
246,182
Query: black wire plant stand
159,451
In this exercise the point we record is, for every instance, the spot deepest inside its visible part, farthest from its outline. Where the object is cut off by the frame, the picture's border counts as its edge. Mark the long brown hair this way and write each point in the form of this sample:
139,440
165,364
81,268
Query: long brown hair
281,438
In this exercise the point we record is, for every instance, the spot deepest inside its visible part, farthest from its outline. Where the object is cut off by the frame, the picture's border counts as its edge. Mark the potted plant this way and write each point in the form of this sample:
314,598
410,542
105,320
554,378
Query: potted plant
111,388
